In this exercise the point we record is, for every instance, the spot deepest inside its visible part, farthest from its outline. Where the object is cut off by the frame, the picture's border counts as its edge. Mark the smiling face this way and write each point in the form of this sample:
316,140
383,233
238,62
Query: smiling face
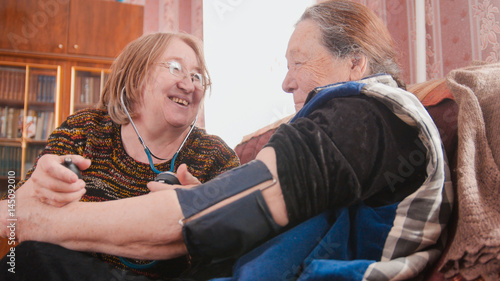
310,64
167,99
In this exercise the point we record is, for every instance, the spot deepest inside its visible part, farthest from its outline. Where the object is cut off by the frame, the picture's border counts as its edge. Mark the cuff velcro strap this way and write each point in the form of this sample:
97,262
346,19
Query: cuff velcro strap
231,230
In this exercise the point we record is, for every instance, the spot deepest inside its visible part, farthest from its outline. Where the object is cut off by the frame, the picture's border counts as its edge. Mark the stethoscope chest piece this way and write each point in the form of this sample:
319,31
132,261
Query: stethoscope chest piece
167,177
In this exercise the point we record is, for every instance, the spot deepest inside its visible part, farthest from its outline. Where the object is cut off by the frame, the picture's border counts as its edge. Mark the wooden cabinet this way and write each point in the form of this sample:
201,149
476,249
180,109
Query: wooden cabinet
35,26
102,28
79,27
54,59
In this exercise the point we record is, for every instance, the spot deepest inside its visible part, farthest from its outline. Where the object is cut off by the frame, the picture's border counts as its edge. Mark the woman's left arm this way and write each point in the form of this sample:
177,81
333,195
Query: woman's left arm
143,227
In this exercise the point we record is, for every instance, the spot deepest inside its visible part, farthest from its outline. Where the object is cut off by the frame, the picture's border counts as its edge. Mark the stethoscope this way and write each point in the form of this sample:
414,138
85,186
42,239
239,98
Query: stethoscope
150,155
146,148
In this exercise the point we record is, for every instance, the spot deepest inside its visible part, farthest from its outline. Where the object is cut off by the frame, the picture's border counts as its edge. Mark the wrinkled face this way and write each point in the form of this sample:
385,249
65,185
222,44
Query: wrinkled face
172,95
310,64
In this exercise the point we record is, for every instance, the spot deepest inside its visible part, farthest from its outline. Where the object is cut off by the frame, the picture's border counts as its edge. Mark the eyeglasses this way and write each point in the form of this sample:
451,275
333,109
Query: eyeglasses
177,70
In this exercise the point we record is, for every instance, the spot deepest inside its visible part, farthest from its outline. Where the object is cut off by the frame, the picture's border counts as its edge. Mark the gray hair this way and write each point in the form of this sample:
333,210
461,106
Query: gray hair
350,29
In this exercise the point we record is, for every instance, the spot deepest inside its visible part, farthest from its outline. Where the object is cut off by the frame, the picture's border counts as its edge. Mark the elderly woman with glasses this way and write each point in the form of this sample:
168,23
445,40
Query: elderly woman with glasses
145,124
355,187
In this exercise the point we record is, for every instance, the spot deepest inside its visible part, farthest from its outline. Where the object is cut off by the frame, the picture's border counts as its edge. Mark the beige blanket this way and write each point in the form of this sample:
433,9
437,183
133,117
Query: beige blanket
475,249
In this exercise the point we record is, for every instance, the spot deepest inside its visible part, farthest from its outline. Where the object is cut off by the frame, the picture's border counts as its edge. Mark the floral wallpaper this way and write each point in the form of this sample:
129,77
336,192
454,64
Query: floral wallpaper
460,31
173,15
486,14
457,32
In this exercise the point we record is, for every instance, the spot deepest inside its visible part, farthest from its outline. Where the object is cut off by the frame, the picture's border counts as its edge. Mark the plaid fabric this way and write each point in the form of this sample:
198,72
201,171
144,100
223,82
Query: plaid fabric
422,216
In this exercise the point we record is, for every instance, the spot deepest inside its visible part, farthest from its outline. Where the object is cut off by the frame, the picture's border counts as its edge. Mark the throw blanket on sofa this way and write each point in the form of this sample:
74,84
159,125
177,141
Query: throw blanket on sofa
475,249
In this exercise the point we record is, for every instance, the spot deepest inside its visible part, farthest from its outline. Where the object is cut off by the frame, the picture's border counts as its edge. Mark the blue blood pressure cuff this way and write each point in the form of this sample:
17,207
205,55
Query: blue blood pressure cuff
234,229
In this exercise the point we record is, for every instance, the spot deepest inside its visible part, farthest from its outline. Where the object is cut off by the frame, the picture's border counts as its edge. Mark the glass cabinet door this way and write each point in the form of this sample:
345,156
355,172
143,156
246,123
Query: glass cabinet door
12,95
11,160
41,108
86,86
40,103
29,103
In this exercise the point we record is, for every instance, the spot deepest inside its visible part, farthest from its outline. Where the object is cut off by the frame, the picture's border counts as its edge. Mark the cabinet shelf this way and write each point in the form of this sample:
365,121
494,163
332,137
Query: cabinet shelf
36,142
12,103
10,141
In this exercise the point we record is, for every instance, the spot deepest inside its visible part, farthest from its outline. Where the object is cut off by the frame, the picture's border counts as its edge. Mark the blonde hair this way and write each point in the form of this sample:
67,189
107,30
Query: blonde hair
130,71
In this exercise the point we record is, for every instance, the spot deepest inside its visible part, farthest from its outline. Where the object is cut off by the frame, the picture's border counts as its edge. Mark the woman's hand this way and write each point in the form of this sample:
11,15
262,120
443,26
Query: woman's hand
54,184
186,179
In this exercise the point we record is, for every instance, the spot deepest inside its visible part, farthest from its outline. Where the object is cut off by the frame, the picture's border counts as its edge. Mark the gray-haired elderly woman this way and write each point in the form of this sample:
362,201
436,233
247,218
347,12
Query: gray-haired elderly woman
353,188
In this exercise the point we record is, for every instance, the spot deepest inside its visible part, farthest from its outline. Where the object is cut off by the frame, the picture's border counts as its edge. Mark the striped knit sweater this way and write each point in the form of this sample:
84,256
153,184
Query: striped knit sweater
113,174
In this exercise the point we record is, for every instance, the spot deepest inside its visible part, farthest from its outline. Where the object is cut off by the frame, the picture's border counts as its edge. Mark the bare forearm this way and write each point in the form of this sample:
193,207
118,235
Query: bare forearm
274,195
142,227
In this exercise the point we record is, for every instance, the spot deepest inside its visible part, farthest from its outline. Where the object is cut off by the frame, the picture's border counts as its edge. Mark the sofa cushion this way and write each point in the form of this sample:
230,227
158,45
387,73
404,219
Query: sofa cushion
439,102
251,144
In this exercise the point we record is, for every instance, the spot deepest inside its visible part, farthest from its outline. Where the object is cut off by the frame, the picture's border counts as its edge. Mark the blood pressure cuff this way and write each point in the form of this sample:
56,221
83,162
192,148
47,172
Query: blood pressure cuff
234,229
